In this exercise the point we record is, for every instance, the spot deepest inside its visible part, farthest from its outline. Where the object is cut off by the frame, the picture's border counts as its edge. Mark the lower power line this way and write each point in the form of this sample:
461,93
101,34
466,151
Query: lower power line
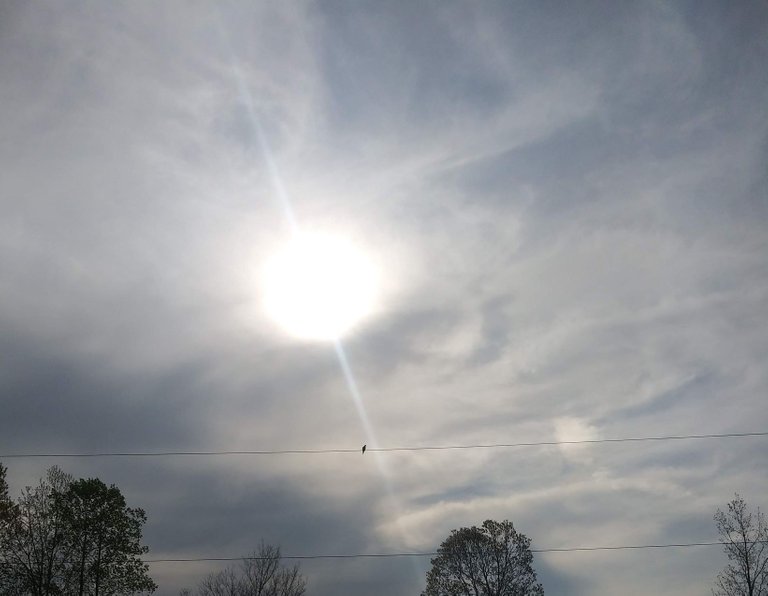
432,554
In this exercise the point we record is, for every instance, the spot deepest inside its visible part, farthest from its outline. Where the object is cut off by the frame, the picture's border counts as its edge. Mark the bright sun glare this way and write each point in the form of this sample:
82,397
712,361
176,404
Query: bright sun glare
319,286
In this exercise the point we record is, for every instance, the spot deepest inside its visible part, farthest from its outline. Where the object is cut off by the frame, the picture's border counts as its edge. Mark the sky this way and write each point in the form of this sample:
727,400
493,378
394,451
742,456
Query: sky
566,205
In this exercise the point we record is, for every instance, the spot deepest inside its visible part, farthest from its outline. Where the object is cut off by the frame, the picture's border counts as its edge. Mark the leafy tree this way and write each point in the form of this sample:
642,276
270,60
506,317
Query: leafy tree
4,496
6,513
6,504
104,540
33,551
745,541
492,560
64,538
258,575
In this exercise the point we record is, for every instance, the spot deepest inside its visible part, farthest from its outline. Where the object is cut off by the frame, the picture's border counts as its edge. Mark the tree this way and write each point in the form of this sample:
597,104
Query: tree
492,560
6,515
745,542
32,541
104,540
64,538
6,503
5,499
258,575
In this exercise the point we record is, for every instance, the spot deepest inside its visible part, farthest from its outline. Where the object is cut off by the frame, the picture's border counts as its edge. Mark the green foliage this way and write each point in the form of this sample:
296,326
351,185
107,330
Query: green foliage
32,549
6,513
104,539
71,537
6,504
3,484
492,560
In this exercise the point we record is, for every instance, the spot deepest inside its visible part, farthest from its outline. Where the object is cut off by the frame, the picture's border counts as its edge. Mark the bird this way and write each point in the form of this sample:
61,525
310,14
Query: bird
364,446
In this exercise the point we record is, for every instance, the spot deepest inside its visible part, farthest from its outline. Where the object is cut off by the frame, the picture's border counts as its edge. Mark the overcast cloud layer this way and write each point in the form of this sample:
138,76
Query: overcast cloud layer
568,203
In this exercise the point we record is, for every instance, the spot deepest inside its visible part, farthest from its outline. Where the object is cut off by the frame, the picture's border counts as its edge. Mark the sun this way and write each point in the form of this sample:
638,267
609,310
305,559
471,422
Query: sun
318,287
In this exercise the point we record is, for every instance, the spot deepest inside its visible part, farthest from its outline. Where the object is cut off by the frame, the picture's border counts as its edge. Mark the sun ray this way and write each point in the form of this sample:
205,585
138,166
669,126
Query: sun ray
291,219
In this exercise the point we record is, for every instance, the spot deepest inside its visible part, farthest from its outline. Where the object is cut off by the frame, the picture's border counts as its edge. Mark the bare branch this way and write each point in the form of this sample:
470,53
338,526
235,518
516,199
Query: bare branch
744,537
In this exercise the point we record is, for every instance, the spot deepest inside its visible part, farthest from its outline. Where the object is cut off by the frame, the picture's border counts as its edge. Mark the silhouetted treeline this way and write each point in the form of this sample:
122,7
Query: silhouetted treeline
67,537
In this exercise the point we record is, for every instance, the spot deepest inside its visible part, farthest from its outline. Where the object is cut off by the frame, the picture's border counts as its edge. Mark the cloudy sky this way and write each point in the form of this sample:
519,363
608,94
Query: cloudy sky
566,205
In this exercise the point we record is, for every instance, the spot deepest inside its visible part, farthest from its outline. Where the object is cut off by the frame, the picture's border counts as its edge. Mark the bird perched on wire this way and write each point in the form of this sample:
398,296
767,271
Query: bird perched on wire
363,450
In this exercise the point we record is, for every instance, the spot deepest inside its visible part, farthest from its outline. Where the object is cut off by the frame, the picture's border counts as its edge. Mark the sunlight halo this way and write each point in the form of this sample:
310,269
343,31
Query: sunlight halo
319,287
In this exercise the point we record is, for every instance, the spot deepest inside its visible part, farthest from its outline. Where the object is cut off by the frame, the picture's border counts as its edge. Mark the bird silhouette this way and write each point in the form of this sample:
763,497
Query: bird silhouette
364,446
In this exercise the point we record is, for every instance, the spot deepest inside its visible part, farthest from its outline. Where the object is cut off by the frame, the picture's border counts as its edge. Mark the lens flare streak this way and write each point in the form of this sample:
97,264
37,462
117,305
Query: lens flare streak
290,217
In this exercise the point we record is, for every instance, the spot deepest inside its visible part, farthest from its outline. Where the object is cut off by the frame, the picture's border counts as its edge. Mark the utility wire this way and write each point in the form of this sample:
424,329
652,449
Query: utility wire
432,554
384,449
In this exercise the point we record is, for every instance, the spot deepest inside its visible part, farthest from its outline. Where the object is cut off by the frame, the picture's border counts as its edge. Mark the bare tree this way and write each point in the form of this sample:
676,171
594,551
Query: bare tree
258,575
492,560
745,541
263,575
222,583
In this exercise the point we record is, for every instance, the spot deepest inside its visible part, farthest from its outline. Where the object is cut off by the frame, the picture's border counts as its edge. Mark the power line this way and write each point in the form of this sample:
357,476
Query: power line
432,554
384,449
580,442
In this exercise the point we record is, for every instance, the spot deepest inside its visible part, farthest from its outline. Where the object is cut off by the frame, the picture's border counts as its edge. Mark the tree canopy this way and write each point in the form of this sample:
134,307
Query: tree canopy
70,537
492,560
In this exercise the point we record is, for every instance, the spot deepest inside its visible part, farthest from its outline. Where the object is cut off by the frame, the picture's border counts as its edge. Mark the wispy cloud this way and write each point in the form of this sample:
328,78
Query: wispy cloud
568,208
